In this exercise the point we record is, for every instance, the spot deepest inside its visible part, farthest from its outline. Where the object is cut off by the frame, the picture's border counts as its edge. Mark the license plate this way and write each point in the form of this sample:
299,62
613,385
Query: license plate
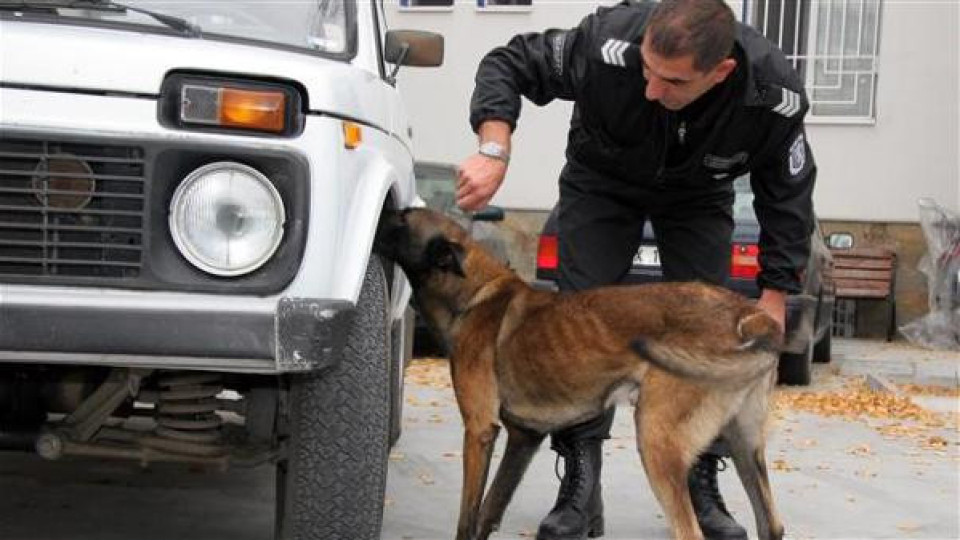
647,256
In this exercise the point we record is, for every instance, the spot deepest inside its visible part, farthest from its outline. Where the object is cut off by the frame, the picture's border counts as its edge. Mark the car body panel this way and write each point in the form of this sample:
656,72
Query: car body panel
51,89
349,90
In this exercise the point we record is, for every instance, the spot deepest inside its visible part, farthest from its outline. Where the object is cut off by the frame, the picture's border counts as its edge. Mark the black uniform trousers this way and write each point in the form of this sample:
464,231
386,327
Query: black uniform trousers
601,220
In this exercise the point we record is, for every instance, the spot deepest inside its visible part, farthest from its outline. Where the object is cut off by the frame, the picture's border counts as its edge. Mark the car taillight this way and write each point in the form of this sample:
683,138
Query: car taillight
547,258
744,263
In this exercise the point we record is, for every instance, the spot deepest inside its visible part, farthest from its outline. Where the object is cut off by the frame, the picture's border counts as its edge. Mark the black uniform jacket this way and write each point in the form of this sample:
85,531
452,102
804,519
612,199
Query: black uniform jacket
754,122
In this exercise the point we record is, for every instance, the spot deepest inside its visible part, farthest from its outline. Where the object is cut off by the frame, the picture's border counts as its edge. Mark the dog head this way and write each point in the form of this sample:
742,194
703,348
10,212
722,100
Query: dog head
444,265
427,245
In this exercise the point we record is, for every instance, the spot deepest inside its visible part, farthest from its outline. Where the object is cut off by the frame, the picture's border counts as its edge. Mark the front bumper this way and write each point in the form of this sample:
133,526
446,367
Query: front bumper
291,335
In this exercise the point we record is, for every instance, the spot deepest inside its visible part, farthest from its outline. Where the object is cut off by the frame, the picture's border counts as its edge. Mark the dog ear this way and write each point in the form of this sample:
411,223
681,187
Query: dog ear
445,255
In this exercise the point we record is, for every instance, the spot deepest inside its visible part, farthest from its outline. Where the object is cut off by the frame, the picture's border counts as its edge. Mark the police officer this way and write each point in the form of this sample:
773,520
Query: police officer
672,101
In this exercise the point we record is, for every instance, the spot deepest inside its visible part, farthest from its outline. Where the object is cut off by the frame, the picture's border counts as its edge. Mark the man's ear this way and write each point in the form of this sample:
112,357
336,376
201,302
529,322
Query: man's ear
723,70
445,255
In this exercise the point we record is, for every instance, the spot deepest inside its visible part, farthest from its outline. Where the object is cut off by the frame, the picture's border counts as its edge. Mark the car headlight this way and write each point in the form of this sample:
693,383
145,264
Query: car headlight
227,218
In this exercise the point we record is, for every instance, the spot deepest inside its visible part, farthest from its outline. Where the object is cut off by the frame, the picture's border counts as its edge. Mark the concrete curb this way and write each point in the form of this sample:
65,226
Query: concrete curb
933,373
897,362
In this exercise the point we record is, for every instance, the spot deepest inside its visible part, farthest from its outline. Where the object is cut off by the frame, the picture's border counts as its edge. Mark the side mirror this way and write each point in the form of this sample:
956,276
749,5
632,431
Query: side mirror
488,213
413,48
841,240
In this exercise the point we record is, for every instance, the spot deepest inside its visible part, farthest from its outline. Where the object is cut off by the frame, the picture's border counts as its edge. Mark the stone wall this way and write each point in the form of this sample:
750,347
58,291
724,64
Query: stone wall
906,239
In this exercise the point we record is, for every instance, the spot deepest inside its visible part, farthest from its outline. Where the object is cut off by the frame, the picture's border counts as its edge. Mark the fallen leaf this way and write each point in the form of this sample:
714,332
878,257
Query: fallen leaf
782,465
860,450
909,527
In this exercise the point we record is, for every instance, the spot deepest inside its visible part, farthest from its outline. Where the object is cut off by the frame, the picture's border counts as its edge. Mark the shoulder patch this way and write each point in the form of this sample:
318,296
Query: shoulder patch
789,104
798,155
613,51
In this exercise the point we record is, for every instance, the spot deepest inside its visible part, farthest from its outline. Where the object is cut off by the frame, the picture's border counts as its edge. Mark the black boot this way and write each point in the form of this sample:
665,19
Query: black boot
578,512
714,518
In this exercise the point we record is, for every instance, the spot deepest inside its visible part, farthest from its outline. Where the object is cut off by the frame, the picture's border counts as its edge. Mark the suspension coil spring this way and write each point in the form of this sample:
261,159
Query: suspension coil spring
187,422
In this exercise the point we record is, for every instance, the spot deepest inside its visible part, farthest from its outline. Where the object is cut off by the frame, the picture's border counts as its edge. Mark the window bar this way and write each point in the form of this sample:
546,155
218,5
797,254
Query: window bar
873,65
813,43
829,54
843,43
796,36
860,26
780,32
766,17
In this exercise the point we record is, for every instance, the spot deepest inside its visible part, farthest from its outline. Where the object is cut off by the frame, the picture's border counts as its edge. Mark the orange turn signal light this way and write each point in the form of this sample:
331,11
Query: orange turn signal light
253,109
352,135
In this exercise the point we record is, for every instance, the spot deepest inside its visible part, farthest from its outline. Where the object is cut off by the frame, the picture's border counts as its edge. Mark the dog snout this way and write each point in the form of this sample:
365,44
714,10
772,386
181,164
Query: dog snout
390,234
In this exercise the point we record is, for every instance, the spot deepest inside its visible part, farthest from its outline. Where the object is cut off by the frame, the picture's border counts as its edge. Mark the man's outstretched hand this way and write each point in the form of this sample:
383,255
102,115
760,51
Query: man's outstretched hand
774,304
478,179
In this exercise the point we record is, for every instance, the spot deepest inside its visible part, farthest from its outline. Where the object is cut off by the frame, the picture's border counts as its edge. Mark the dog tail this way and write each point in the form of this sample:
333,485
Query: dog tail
760,338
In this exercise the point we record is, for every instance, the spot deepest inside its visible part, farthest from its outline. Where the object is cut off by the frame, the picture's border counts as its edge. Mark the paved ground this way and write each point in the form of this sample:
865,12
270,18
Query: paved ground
833,478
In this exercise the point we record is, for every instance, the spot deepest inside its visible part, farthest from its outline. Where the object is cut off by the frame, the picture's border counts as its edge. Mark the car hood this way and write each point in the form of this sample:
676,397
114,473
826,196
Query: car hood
82,58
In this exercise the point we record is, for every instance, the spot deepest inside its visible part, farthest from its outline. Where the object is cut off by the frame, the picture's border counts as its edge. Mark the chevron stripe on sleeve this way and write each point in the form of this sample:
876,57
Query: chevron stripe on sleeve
789,104
612,52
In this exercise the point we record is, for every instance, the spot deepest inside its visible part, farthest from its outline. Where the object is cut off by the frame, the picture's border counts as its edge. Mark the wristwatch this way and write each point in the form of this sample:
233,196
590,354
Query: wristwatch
494,150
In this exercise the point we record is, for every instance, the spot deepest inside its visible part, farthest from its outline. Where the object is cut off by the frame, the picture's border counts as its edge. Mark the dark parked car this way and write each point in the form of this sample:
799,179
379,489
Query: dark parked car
437,185
809,314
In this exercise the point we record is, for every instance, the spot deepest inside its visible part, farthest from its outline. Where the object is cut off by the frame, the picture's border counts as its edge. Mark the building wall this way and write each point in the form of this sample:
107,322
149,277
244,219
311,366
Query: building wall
869,173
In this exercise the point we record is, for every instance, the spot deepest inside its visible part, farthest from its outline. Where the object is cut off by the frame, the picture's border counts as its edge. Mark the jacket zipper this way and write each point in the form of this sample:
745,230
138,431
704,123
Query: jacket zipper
667,132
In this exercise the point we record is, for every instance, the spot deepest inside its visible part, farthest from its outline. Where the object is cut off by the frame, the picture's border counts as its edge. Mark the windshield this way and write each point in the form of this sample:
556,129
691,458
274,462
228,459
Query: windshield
319,25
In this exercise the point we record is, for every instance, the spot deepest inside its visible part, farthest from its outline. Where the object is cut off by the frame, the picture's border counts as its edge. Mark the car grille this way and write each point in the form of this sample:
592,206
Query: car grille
71,210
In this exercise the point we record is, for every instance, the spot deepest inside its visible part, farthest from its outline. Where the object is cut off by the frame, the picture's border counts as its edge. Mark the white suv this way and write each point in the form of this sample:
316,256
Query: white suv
188,197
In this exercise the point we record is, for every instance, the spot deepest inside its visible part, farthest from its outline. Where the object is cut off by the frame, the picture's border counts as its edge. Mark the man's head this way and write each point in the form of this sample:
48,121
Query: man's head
686,50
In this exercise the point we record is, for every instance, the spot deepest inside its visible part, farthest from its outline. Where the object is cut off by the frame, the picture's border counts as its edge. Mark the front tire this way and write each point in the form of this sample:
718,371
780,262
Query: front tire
332,483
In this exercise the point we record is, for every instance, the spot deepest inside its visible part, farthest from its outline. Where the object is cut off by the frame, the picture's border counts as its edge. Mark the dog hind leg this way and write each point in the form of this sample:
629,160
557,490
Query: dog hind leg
522,444
478,447
745,437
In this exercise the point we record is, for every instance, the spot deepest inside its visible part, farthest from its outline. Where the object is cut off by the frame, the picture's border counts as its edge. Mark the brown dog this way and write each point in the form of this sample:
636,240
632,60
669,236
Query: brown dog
536,362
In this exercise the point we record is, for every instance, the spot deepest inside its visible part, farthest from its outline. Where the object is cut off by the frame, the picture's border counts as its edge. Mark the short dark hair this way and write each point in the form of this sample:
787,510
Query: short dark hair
703,28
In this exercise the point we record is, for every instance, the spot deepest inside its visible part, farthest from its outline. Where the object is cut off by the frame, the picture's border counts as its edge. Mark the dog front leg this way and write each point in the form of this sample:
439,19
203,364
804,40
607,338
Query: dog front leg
667,460
477,449
746,437
522,444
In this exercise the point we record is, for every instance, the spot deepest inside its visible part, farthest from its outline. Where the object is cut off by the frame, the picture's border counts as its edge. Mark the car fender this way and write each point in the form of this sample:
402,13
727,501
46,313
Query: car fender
379,184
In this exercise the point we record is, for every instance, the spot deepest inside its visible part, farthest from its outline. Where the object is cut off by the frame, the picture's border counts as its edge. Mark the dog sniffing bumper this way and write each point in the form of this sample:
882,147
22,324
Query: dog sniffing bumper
535,362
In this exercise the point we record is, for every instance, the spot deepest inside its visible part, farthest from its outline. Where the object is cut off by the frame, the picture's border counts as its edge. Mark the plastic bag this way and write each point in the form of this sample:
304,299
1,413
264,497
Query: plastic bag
940,328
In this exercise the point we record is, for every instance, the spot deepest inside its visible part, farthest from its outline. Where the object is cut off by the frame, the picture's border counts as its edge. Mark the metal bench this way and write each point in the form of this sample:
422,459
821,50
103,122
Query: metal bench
867,273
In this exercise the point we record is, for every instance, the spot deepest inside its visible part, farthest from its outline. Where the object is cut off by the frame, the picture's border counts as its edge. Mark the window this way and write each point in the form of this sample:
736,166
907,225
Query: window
504,5
427,5
833,46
